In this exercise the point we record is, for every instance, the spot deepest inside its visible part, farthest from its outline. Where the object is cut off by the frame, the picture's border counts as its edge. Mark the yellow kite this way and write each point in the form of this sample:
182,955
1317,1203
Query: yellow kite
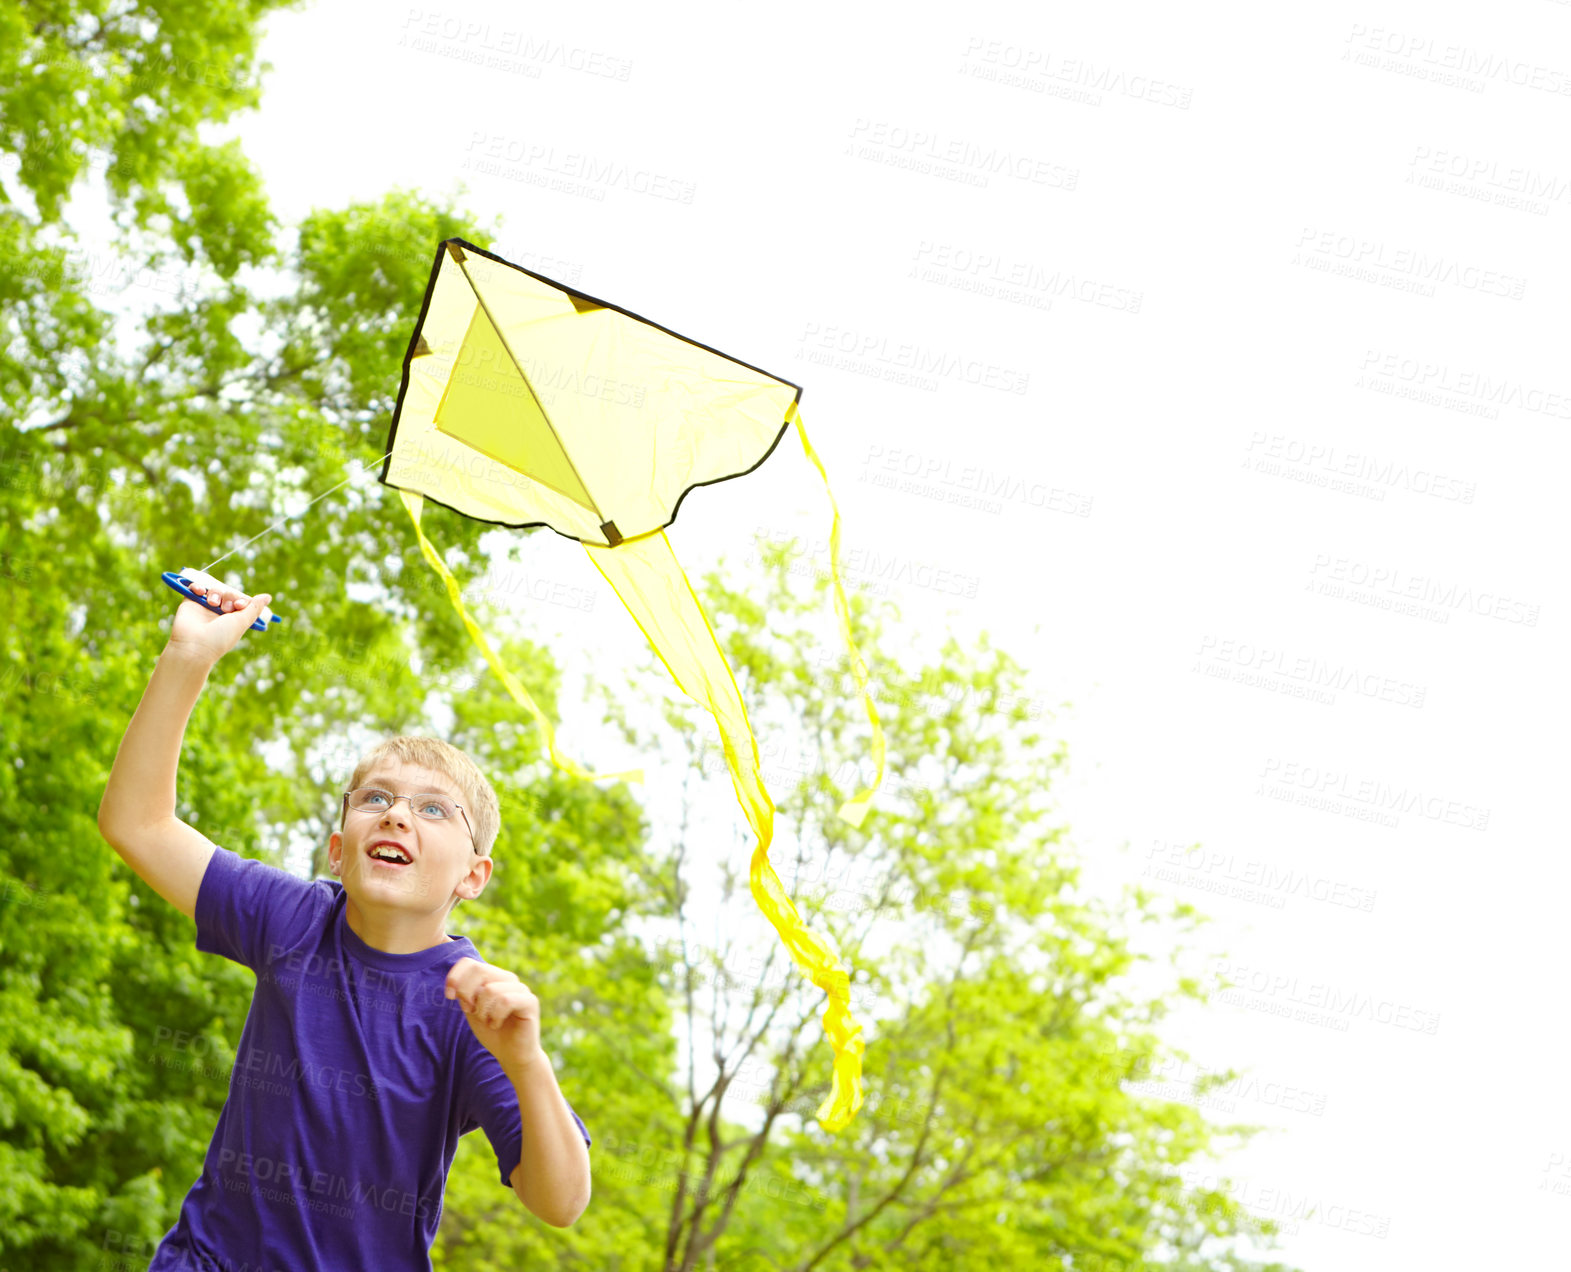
526,403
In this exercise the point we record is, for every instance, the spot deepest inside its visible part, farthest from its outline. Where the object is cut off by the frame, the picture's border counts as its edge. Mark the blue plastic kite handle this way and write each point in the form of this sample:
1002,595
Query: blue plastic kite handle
176,582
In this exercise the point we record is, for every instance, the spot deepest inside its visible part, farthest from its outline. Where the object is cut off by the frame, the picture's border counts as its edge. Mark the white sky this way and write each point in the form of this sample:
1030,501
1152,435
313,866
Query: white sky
1200,269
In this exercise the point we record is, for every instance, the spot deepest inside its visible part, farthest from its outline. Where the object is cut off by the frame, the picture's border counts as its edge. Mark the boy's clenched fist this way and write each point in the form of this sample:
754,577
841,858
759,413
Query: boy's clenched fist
500,1009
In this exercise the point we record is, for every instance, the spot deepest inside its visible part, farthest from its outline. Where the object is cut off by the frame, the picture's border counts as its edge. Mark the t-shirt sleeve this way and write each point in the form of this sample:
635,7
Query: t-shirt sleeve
489,1101
251,912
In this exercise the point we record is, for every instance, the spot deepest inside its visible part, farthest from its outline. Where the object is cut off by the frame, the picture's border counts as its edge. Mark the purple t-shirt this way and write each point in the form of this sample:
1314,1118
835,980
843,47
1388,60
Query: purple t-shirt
354,1079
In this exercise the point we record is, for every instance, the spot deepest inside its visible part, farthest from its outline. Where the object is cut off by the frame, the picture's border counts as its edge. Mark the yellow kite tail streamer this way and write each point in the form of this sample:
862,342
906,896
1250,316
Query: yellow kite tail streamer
415,504
646,575
853,810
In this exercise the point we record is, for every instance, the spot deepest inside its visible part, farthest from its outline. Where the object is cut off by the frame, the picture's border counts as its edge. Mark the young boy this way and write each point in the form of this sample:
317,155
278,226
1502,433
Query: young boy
374,1039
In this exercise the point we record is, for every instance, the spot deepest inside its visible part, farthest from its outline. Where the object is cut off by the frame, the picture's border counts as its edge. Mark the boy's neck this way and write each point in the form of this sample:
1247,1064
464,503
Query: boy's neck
395,933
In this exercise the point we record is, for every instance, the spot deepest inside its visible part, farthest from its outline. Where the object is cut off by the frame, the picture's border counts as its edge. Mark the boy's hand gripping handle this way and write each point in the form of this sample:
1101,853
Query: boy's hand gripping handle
179,579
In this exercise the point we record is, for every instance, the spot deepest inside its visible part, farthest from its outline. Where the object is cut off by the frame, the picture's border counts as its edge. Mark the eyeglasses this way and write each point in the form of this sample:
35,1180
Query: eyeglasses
431,807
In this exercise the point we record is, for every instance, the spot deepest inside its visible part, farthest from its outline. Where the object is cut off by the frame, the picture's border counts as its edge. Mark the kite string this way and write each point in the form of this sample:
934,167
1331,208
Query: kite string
207,569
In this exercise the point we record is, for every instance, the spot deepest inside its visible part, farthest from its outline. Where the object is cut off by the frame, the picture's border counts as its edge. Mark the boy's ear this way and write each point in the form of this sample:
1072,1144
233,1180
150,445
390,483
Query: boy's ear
335,843
473,883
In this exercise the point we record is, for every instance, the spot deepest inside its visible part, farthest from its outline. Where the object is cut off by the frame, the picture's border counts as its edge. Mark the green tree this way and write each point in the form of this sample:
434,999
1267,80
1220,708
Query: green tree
85,94
155,410
1002,1032
105,98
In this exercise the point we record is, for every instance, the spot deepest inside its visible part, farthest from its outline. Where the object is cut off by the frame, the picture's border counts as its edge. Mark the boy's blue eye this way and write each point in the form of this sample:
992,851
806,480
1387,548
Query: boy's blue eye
433,809
375,797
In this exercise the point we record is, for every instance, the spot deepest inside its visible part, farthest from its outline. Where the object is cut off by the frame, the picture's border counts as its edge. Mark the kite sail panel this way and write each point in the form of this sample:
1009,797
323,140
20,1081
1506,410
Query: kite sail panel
526,403
489,404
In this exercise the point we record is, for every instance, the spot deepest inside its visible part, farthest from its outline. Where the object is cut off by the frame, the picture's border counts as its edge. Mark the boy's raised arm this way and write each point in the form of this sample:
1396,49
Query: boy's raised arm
137,813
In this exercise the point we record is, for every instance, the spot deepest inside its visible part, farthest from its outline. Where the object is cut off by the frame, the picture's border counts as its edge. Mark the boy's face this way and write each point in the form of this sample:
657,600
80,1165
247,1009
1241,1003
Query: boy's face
442,859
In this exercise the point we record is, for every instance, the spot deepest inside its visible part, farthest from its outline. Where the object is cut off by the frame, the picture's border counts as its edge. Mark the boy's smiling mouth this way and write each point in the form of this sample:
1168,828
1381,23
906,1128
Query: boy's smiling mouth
390,853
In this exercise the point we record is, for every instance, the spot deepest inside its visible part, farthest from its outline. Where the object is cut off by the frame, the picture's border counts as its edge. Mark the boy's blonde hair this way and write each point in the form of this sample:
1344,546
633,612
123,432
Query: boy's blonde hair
478,799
